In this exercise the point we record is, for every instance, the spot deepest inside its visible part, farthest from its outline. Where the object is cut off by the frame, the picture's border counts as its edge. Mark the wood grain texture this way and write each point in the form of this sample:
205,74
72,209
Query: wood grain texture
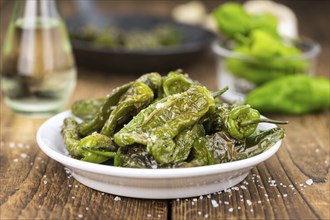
33,186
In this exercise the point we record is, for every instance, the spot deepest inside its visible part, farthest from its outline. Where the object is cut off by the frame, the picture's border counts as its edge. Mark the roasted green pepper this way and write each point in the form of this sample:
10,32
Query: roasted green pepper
104,111
138,96
239,121
70,132
87,109
221,147
165,120
297,94
153,80
135,157
97,148
94,148
175,82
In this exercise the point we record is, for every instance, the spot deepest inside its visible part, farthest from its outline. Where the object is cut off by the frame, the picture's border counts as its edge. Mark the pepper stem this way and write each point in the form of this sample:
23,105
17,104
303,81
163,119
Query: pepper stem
254,121
219,92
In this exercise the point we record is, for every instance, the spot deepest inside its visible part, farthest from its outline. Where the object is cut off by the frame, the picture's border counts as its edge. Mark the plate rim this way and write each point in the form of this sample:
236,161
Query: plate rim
162,173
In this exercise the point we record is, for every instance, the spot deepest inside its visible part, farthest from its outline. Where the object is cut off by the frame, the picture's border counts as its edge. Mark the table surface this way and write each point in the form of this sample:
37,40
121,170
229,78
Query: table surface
33,186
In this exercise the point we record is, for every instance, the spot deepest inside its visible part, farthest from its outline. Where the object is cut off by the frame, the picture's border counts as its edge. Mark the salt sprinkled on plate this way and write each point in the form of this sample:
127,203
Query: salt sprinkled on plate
309,182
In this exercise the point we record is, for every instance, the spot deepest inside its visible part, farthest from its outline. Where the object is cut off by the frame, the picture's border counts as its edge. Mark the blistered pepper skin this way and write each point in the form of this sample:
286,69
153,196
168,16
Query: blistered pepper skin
175,82
221,147
165,119
153,80
70,132
87,109
96,148
138,96
238,115
100,118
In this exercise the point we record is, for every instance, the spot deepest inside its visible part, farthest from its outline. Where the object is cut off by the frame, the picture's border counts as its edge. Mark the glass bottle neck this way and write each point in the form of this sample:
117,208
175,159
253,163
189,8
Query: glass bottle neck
32,12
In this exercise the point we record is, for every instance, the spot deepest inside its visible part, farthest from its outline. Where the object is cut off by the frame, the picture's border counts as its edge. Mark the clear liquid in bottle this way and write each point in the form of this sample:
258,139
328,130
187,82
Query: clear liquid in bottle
38,71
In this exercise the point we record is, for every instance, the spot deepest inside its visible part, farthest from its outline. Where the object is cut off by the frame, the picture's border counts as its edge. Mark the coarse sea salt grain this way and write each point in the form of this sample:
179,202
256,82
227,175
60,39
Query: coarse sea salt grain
15,160
231,209
23,155
45,182
80,216
117,198
309,182
214,203
248,202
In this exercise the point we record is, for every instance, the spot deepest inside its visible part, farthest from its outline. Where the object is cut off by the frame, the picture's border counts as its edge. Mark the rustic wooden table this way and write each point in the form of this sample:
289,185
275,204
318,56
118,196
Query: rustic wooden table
33,186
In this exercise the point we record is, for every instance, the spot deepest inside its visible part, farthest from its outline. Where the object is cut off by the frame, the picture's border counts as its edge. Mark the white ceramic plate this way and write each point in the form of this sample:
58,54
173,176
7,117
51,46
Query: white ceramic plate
147,183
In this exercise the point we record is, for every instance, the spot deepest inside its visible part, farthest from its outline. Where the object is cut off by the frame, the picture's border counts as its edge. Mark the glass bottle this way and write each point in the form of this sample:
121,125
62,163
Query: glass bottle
38,72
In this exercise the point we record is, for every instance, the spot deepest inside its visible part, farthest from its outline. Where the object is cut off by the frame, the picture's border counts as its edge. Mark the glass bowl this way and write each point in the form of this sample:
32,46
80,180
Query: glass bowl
242,73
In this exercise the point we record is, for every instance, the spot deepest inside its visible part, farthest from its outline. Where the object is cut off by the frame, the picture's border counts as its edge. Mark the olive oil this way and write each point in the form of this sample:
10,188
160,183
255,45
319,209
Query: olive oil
38,72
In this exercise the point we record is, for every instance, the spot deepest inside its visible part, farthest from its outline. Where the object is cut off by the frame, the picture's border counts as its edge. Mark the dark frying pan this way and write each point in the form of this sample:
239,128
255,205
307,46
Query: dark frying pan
195,41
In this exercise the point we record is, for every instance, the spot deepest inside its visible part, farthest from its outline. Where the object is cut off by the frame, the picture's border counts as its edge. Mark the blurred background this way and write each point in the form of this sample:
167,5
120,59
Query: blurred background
313,17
